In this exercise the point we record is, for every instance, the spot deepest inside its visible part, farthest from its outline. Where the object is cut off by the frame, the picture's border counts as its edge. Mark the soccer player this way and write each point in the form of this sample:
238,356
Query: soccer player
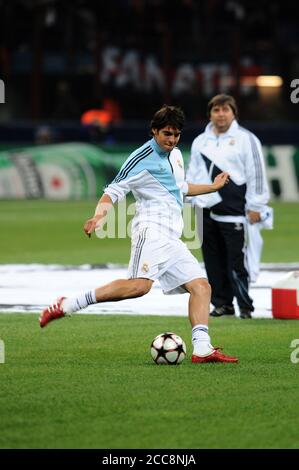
155,175
226,146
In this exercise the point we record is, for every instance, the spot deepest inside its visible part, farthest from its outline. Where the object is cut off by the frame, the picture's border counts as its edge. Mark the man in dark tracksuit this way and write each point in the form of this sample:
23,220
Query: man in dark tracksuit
226,146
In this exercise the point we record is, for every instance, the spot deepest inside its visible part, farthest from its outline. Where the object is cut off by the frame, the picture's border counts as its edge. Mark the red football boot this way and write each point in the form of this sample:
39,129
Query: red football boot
215,356
52,313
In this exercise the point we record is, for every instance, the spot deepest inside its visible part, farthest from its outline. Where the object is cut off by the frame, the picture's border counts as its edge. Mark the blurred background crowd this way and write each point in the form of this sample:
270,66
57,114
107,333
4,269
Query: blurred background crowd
59,59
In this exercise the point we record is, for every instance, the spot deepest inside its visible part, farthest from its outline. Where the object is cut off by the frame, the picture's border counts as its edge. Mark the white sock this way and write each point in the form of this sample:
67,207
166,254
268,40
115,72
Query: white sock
201,340
72,304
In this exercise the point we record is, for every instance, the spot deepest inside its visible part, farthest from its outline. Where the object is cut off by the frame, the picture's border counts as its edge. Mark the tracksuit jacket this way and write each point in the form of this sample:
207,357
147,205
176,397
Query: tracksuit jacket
239,153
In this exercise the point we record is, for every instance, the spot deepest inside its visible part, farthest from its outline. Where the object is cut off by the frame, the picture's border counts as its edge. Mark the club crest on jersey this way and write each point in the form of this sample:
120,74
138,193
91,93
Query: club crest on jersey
238,226
161,168
232,142
145,268
179,163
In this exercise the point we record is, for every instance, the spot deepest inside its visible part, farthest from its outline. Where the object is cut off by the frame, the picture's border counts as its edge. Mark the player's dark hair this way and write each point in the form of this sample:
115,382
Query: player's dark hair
220,100
168,116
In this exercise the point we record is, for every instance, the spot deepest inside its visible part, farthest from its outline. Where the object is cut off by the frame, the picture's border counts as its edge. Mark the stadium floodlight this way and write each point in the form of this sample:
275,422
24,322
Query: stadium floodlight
269,81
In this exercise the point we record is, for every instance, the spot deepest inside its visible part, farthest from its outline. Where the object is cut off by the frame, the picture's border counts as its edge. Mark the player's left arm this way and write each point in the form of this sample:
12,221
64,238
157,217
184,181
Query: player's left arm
218,183
257,192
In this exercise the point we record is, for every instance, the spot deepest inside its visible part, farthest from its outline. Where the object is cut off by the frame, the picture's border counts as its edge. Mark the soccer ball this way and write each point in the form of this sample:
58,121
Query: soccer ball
168,348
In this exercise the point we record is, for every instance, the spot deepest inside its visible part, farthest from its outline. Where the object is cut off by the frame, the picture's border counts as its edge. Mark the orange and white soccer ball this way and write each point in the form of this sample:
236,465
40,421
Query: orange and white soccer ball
168,348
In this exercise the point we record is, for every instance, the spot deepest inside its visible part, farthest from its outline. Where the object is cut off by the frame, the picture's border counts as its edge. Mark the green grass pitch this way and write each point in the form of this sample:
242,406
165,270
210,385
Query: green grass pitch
89,381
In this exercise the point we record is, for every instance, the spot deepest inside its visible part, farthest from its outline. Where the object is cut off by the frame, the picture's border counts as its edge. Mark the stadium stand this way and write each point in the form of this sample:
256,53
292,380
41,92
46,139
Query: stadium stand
58,60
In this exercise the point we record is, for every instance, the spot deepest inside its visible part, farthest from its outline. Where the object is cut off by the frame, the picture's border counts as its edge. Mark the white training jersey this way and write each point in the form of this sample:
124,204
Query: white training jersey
156,179
239,153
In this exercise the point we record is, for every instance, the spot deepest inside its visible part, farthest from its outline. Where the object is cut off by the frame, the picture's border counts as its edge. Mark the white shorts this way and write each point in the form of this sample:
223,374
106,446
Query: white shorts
155,256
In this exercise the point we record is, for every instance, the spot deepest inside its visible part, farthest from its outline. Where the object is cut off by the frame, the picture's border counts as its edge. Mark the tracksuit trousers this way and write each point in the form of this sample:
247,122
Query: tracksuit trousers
224,257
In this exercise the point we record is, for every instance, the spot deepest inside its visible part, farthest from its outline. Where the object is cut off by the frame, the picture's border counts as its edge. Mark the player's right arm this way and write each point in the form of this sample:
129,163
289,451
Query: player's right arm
113,193
103,206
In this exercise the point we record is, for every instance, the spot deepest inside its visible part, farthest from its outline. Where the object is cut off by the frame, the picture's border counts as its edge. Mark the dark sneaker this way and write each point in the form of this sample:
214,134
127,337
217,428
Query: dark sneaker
223,310
52,313
245,313
215,356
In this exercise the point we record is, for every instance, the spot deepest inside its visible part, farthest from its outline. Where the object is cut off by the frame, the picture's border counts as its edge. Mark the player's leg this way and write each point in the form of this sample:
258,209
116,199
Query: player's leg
139,282
199,302
186,275
198,311
123,289
112,292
